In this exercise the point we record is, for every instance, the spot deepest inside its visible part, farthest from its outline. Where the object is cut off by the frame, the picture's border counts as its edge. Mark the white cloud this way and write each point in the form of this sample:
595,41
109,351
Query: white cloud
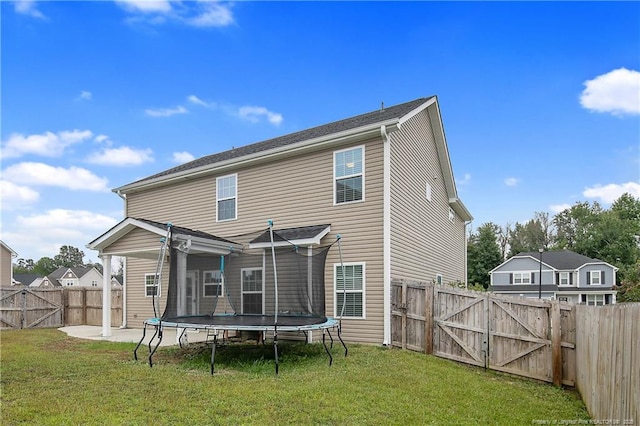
28,7
40,174
466,179
102,139
611,192
47,144
197,101
254,114
35,236
201,13
511,181
616,92
123,156
145,6
212,14
15,196
166,112
85,95
557,208
182,157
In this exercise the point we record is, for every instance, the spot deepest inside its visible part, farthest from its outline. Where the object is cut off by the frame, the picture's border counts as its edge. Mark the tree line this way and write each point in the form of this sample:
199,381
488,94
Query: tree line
611,235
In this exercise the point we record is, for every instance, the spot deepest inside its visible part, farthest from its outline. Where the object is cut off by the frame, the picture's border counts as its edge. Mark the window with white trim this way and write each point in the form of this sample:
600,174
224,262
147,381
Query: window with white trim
150,287
227,197
563,278
94,283
212,284
594,299
452,215
428,192
69,283
348,175
522,277
252,295
439,279
595,277
349,290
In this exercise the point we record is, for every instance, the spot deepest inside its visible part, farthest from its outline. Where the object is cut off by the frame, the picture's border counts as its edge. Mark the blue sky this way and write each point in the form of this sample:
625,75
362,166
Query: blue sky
540,101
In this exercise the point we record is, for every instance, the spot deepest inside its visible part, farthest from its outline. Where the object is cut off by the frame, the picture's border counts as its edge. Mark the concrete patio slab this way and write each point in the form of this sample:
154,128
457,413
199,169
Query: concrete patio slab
131,335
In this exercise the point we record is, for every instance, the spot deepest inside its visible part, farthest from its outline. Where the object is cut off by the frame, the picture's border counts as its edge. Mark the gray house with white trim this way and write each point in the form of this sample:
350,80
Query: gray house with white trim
566,276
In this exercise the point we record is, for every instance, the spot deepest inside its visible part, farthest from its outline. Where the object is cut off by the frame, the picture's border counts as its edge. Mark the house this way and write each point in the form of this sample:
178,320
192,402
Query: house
382,180
6,264
73,277
28,280
566,276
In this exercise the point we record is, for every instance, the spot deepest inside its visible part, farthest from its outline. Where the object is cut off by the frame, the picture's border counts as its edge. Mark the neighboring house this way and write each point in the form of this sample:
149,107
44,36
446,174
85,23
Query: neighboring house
6,264
29,280
73,277
115,283
566,276
382,180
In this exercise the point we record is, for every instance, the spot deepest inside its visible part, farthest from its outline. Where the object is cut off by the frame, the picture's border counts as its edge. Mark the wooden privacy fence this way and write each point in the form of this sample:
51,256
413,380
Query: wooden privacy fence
26,307
608,361
527,337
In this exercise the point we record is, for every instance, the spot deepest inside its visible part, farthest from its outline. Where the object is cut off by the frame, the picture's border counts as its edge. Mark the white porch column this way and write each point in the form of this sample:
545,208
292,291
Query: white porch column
106,295
181,284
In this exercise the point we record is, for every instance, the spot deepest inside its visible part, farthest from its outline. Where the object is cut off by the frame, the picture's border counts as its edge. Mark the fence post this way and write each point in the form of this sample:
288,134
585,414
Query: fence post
428,318
23,323
556,343
404,314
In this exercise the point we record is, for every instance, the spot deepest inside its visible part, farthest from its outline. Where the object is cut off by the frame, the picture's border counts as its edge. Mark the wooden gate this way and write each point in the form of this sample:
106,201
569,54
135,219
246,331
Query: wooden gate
460,325
28,308
528,337
519,337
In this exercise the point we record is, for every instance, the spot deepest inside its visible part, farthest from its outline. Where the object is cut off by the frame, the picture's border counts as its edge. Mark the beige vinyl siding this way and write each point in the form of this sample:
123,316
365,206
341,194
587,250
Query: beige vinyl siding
423,240
135,240
296,191
5,267
139,307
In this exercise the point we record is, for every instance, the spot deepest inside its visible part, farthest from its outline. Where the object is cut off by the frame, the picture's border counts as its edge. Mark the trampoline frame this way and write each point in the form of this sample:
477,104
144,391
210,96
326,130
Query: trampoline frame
233,322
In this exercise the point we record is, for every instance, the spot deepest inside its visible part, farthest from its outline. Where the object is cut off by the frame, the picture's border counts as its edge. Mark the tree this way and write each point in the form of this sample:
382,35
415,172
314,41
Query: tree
69,257
536,233
23,266
44,266
575,227
483,254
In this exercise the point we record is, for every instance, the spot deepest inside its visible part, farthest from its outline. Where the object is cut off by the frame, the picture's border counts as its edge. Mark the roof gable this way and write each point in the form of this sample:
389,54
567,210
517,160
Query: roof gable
560,260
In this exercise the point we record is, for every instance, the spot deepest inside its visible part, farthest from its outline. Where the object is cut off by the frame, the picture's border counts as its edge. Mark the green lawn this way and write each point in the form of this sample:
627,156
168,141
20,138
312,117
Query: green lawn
49,378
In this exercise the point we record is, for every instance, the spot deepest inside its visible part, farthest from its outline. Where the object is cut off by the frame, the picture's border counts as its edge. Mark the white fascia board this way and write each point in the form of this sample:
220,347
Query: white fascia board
508,271
306,242
442,149
462,211
120,230
347,136
411,114
12,251
597,263
208,246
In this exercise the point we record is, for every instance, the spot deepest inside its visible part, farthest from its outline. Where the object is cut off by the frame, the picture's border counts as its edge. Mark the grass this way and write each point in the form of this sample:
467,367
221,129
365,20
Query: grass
48,378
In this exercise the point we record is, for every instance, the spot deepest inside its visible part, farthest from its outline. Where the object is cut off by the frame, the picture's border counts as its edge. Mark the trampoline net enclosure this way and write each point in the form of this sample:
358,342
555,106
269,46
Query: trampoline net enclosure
245,284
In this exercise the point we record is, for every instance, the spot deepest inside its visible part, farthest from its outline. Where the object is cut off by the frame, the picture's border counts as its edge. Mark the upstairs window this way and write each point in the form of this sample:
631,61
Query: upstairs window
595,277
227,197
521,278
348,173
563,278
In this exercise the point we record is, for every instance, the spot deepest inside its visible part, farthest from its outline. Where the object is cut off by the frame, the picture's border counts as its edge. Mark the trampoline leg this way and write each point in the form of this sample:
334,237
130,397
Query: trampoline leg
184,330
275,348
155,333
342,341
159,332
324,343
306,337
330,337
213,352
135,351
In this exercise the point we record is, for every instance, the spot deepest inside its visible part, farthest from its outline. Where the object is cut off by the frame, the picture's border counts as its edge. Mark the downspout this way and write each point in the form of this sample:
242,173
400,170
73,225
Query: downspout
124,269
386,235
466,270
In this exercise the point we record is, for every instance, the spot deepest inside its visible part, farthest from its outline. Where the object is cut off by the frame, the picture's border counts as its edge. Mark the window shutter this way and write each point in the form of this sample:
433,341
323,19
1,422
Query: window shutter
601,277
557,278
571,278
588,277
533,278
511,278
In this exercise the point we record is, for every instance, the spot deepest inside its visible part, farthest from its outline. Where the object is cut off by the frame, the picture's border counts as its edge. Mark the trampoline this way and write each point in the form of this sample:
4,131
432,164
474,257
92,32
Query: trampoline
295,302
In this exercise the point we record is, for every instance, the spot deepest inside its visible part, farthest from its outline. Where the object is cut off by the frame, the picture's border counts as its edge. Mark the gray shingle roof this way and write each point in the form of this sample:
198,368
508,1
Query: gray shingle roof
290,234
389,113
185,231
563,260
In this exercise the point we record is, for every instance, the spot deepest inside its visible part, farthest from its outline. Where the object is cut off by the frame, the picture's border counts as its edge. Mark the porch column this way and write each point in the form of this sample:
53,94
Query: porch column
106,295
181,284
